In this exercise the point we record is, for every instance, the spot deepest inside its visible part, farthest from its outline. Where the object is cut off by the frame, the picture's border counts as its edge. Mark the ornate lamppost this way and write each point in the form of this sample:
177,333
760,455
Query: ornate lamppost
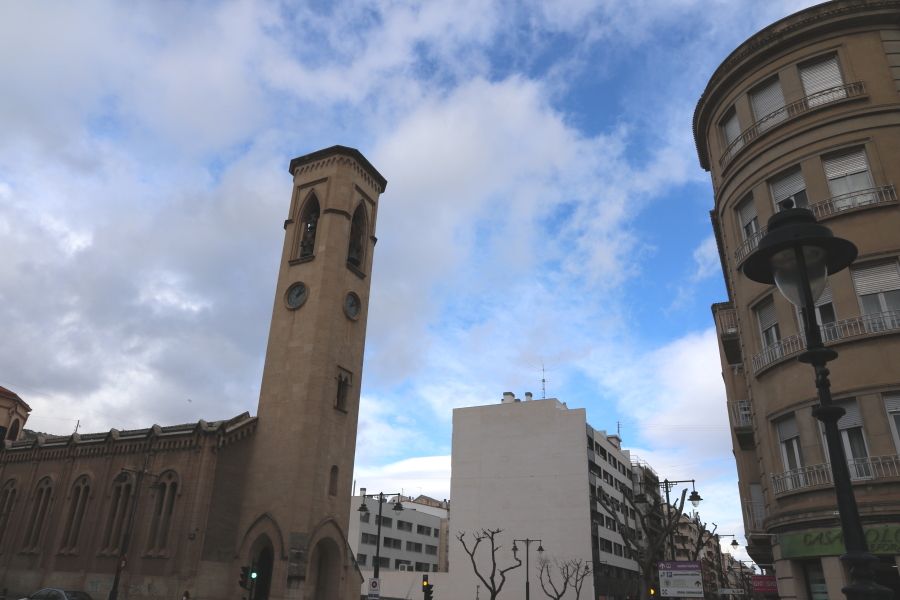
540,551
364,510
694,499
797,254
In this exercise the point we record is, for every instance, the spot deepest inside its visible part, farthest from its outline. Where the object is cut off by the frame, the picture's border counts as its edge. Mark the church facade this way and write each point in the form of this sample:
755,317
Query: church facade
157,511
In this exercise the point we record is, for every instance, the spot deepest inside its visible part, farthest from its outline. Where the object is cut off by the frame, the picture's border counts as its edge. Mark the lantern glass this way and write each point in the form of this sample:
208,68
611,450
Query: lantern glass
789,279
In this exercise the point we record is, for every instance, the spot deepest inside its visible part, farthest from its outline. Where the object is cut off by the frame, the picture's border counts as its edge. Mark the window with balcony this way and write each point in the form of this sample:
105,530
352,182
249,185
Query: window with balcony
768,324
822,81
855,448
825,316
789,186
789,440
849,180
878,288
767,101
731,130
892,407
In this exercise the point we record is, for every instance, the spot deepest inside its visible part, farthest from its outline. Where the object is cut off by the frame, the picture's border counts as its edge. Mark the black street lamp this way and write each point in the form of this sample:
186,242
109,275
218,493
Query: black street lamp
540,551
694,499
797,254
364,510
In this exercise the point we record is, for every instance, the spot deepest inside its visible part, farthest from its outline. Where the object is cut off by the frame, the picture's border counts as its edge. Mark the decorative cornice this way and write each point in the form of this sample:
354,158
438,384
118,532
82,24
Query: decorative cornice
779,34
339,155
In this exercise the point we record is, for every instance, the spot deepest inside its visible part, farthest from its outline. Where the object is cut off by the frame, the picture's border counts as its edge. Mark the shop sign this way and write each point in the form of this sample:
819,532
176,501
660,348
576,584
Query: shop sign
764,584
882,539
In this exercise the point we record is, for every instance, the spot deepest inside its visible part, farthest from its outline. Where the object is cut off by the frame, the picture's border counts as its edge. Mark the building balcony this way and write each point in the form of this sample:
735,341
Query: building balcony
727,326
754,516
825,209
813,476
789,112
846,329
742,422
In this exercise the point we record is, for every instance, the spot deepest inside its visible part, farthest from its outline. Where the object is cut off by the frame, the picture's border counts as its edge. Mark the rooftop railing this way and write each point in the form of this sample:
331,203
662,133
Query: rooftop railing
854,327
790,111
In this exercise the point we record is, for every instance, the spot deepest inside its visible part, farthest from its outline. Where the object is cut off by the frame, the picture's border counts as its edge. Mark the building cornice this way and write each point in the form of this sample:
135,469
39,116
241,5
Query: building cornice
350,156
792,30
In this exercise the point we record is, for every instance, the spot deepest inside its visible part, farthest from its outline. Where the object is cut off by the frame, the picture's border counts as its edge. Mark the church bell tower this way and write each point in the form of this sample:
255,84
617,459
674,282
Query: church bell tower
295,510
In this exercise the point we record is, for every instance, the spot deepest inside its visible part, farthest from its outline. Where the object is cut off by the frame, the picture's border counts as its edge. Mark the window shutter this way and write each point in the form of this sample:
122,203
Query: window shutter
765,313
825,298
821,76
787,428
852,418
767,99
876,278
892,402
746,211
787,185
731,127
845,164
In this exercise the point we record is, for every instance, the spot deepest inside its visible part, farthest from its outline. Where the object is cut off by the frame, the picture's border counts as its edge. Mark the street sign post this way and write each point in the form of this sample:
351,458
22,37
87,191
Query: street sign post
730,591
374,588
680,579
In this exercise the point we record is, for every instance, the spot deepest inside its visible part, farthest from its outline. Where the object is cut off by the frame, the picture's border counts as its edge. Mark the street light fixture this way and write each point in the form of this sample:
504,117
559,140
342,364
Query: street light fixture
540,551
364,510
797,254
694,499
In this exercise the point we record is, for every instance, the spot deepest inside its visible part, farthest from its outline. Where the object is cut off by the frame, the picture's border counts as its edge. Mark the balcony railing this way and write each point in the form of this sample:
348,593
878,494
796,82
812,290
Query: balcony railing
754,515
838,204
862,326
741,414
885,194
870,467
790,111
726,321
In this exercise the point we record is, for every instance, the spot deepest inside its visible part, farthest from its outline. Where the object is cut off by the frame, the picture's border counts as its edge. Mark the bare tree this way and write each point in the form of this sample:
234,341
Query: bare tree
580,570
490,579
652,551
564,570
703,537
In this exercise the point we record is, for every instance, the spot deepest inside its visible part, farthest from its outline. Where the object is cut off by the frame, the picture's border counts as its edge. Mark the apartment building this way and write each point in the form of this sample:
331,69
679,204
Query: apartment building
808,110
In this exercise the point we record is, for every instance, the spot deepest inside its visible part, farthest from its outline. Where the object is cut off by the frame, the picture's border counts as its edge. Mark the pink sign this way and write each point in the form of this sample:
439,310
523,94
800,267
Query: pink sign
764,584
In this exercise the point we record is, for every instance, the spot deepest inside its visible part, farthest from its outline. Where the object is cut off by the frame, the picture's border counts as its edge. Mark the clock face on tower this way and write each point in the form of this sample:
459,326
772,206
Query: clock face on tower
352,305
296,295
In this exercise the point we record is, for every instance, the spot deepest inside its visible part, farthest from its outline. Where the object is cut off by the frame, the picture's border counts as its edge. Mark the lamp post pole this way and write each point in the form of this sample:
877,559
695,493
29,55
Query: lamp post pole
694,498
363,509
540,550
129,524
796,253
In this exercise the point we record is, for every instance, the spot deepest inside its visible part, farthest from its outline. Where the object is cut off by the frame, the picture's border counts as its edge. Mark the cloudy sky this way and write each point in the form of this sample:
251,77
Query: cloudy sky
545,208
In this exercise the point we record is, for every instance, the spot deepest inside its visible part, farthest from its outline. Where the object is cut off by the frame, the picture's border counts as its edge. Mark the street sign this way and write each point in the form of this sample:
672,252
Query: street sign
764,584
731,591
680,578
374,588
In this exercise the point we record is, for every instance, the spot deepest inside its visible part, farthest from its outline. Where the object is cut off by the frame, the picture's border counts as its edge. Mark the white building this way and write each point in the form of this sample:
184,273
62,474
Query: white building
524,467
414,539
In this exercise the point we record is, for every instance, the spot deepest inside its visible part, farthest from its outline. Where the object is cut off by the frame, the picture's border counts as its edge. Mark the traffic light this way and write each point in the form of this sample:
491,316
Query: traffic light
652,592
427,588
245,578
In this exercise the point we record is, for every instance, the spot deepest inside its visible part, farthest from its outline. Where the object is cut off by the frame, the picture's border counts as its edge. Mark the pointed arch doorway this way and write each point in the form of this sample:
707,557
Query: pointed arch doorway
262,557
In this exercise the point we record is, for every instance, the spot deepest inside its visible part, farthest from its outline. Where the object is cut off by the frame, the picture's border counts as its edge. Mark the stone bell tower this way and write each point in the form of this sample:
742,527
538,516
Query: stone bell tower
295,508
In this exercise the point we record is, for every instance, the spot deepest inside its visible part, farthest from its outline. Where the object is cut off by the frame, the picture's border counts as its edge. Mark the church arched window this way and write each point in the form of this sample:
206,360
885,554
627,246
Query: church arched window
78,501
166,490
119,504
7,501
309,221
357,244
333,481
40,506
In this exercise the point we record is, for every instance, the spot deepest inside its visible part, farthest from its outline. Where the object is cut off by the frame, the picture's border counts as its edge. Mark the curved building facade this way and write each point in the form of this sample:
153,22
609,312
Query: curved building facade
808,109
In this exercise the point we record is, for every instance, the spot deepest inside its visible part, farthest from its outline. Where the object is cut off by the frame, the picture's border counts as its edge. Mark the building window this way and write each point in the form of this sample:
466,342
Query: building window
747,218
402,565
356,249
309,222
384,562
789,186
731,129
333,481
392,543
166,490
768,104
364,517
432,550
606,546
851,427
369,538
768,323
385,521
849,180
436,532
78,500
878,288
404,525
13,433
891,405
40,506
423,530
7,502
825,316
789,438
344,381
414,547
120,503
822,81
361,559
424,567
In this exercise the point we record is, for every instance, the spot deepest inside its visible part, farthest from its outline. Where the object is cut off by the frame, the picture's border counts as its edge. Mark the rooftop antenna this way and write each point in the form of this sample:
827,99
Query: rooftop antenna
619,429
543,382
77,425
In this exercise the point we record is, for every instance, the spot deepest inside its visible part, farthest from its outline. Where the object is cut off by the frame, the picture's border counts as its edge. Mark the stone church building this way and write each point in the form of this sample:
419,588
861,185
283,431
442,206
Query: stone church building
157,511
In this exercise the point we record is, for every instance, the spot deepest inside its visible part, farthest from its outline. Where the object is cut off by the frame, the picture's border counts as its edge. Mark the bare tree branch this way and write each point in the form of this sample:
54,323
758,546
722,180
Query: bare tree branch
546,573
490,583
